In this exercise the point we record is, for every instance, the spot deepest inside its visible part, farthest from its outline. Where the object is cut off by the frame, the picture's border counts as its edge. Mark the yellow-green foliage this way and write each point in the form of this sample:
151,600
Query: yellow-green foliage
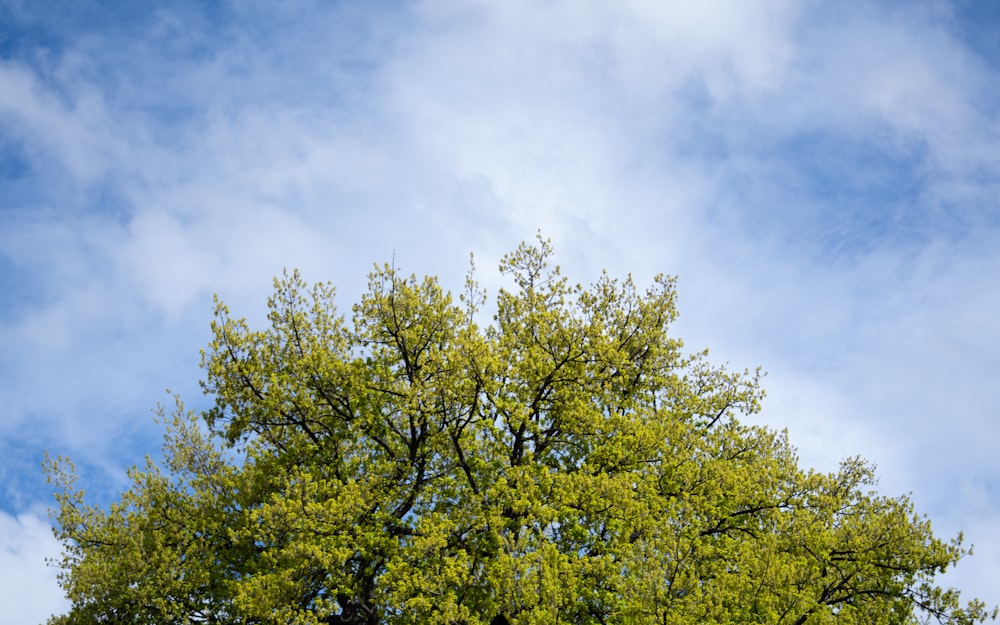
566,463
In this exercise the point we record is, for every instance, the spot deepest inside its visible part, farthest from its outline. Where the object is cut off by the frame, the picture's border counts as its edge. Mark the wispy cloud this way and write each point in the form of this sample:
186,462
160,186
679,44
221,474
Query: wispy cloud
28,590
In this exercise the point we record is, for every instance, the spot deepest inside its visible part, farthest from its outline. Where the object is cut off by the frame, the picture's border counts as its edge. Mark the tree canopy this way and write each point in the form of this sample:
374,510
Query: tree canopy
565,462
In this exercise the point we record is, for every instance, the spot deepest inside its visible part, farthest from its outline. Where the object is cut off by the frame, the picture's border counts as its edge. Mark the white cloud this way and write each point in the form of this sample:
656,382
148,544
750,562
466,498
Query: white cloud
73,131
29,592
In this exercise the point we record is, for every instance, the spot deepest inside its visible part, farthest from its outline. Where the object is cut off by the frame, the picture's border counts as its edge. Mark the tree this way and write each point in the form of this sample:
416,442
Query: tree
567,462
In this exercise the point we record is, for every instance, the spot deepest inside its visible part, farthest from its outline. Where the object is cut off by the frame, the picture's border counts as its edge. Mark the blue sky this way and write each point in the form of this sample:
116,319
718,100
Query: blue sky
824,178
